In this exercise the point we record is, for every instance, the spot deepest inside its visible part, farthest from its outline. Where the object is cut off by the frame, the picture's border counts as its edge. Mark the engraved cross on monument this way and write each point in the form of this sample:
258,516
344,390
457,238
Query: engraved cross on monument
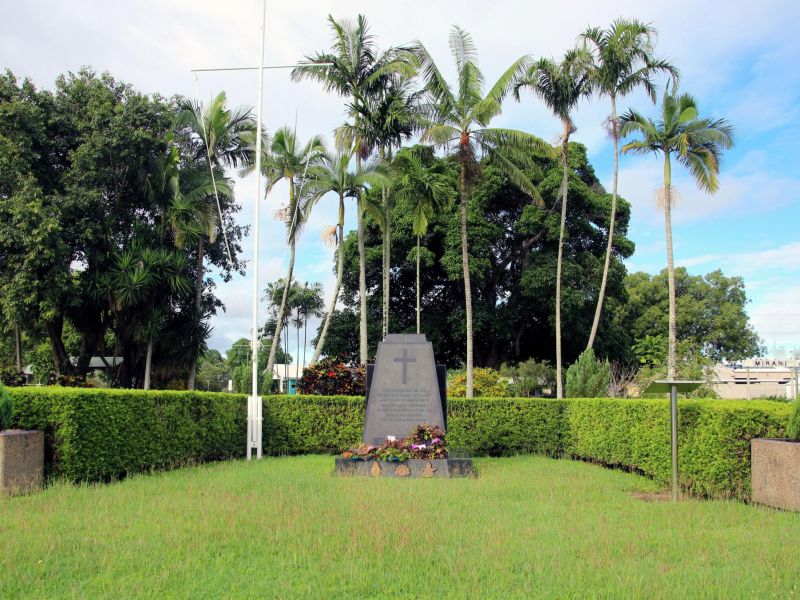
404,389
405,360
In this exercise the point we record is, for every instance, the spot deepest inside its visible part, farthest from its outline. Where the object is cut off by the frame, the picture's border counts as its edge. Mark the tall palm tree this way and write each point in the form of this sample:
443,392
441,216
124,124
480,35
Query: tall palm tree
287,161
457,118
224,138
560,86
334,175
622,61
390,118
355,69
697,144
427,188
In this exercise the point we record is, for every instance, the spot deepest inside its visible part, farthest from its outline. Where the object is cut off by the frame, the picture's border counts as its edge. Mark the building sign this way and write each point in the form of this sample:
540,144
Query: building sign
773,363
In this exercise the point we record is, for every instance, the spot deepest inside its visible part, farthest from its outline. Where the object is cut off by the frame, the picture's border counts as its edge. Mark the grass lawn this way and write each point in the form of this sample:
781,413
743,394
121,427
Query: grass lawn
284,527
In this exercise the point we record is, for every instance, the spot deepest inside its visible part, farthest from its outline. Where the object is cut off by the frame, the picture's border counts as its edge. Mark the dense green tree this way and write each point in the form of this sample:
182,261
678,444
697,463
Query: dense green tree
457,118
696,144
93,171
710,314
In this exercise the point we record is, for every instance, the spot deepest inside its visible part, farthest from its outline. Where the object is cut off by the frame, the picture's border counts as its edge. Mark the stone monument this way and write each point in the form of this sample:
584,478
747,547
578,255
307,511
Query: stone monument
405,388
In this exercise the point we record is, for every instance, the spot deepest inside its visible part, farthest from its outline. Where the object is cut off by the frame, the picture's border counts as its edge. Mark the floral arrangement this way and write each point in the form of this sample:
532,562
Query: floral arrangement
425,442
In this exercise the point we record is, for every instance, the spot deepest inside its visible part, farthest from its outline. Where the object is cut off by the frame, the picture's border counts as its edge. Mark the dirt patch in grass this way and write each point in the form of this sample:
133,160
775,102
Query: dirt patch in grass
653,496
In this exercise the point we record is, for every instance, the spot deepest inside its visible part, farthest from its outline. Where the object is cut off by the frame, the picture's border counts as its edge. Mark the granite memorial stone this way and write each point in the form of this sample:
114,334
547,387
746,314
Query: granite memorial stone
403,389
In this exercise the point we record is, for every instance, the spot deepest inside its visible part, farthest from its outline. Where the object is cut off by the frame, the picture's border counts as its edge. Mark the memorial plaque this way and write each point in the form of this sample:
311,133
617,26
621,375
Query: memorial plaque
403,390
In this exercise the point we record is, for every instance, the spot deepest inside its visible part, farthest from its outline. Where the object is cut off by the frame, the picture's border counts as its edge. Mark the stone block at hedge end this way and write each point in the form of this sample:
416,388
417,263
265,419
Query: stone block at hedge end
21,461
776,473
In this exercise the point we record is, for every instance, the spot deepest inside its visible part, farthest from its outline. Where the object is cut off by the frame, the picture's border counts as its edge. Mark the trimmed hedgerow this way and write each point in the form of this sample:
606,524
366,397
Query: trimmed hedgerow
506,426
793,429
714,439
311,424
5,408
94,435
102,434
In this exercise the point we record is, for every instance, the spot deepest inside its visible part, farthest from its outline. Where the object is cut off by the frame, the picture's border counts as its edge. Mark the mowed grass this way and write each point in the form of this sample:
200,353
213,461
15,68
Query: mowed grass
285,527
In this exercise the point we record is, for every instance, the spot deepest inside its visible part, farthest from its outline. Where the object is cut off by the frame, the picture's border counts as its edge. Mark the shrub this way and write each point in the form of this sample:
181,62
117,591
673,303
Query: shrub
793,429
12,377
332,376
486,382
96,435
530,377
5,408
588,377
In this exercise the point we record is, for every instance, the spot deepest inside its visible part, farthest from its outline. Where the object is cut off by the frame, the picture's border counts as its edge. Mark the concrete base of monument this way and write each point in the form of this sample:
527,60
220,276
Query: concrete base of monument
439,467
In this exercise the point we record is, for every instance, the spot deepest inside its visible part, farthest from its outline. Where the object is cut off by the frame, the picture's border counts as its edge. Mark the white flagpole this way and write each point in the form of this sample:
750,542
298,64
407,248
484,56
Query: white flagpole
254,412
254,401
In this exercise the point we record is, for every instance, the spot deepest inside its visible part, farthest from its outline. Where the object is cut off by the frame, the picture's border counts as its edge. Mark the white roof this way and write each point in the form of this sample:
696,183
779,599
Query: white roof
94,363
279,371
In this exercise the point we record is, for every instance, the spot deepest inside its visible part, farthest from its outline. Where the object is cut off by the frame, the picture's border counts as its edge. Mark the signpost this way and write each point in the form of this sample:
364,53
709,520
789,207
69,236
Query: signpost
673,387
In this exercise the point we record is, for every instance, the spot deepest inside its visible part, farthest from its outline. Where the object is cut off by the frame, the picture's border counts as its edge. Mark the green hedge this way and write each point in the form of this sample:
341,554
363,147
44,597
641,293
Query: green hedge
93,435
102,434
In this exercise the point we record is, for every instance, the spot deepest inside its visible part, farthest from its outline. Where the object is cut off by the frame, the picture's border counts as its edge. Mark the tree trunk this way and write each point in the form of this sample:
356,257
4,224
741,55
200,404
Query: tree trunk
298,338
286,360
362,285
418,316
61,362
671,361
339,273
18,348
607,264
387,245
564,191
147,363
198,307
281,312
305,337
467,288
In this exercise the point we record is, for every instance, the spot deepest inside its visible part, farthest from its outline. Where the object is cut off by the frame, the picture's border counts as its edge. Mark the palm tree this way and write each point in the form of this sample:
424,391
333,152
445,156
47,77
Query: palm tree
140,281
390,119
309,304
355,69
622,61
560,86
223,139
286,160
697,144
334,175
457,118
427,188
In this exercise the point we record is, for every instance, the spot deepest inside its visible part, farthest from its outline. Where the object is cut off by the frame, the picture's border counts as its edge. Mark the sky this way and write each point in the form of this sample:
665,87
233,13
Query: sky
737,57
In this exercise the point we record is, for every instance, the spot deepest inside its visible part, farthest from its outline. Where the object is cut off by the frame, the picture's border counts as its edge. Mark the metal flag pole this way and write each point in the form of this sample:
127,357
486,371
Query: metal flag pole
254,412
254,401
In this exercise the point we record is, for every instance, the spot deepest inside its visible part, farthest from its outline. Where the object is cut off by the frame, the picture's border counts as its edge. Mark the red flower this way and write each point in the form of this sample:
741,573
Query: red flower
331,374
